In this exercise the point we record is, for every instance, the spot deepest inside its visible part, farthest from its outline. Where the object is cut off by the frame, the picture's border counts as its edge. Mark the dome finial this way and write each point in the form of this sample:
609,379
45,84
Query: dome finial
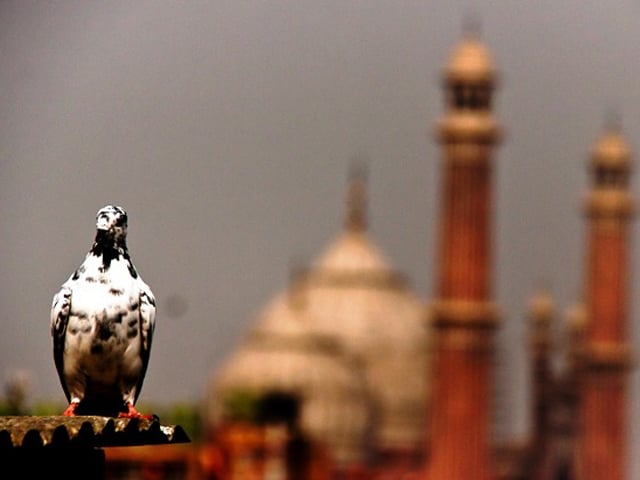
357,195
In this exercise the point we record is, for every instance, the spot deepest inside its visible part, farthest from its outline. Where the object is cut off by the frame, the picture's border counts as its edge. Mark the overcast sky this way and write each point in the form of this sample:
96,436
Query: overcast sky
226,130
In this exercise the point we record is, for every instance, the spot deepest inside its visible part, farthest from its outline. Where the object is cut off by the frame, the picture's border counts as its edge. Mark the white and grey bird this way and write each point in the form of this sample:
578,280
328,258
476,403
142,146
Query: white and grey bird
102,323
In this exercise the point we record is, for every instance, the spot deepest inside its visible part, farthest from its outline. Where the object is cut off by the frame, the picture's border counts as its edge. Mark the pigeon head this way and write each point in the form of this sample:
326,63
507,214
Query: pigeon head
111,223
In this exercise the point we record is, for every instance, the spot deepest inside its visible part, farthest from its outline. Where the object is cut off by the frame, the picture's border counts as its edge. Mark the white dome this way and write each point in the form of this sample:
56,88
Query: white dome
352,294
281,355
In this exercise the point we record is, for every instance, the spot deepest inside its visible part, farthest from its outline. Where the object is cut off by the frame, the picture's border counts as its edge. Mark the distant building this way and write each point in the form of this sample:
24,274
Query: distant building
346,374
344,340
282,356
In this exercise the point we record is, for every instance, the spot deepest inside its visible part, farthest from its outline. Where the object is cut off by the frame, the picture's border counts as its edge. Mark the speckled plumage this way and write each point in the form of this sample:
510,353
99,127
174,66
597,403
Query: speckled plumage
102,323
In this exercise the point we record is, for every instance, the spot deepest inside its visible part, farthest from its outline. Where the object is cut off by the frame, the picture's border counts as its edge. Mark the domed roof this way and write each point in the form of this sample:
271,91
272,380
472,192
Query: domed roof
350,285
283,317
352,252
470,61
281,355
353,294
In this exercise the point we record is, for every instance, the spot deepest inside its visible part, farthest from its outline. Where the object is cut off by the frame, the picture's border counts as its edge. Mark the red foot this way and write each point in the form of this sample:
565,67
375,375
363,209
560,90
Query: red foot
71,410
133,413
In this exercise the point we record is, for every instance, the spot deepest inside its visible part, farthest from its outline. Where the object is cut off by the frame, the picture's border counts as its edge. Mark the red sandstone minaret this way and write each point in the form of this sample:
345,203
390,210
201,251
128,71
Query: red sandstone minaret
541,313
464,315
606,353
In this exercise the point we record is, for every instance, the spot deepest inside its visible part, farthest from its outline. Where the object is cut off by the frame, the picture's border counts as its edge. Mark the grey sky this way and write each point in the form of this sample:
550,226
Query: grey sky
226,130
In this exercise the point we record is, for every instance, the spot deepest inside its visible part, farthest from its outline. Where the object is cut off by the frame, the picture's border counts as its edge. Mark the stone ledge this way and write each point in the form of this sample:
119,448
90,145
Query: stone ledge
85,432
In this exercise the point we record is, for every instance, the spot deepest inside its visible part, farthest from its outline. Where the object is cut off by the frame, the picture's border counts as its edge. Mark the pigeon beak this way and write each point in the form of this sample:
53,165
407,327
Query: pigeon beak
102,224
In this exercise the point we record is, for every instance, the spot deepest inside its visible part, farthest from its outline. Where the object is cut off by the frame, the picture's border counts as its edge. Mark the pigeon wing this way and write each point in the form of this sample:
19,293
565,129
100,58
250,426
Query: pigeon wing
147,320
60,309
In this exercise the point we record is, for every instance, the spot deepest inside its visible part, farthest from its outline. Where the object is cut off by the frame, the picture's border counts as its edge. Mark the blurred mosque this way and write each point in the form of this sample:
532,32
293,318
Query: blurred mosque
348,341
346,374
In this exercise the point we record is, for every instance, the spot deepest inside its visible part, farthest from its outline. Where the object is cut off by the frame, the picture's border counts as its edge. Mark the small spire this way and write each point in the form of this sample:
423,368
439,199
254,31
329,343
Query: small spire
611,154
541,306
356,219
613,120
541,311
471,25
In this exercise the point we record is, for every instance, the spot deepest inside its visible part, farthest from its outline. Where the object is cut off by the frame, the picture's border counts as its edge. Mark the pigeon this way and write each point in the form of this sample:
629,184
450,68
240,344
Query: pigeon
102,323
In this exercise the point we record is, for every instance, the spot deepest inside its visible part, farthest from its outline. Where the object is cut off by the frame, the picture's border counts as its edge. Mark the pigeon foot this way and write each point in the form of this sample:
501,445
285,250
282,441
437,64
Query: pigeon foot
133,413
71,410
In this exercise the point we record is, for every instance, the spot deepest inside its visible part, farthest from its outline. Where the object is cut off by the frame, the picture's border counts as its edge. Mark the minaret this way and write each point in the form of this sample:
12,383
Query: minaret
606,354
541,313
464,316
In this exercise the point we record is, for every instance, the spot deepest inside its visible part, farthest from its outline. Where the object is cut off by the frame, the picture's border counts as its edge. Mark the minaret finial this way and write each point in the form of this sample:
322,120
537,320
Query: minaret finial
613,119
357,195
541,304
472,25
